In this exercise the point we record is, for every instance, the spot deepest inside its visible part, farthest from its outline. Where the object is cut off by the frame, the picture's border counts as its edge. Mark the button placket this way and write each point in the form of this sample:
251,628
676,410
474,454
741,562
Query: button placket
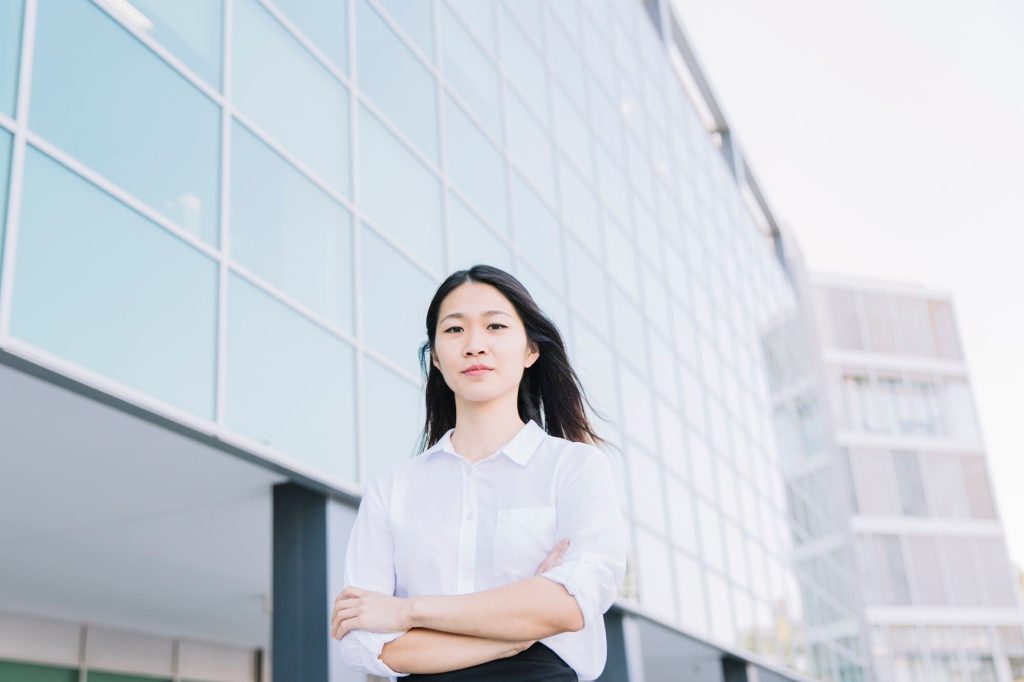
467,533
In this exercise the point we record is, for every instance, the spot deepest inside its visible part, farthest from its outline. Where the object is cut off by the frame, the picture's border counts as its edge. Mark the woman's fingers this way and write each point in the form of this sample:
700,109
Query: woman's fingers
555,556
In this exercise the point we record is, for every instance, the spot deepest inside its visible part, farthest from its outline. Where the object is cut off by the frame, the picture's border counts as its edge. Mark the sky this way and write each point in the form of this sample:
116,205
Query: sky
888,137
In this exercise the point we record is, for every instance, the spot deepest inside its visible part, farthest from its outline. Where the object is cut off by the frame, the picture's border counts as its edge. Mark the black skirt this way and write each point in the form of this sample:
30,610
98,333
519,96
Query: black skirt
536,664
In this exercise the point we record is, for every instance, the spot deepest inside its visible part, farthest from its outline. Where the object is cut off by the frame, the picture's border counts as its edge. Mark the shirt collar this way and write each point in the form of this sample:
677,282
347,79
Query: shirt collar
520,449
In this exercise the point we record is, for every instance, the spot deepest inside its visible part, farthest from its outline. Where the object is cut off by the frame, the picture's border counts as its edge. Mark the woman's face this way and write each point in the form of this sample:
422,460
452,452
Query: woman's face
477,325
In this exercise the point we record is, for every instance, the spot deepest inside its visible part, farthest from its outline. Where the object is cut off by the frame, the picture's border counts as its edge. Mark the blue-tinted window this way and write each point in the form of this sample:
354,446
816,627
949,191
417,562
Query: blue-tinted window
400,195
290,383
191,30
528,145
100,285
579,207
478,15
290,95
393,414
288,231
10,49
395,300
5,165
524,66
594,362
473,242
476,167
621,257
324,22
120,109
566,63
416,19
396,81
587,286
471,73
538,236
571,130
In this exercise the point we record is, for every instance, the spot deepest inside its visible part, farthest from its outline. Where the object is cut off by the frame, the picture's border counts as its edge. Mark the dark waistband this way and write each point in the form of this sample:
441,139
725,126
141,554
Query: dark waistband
536,664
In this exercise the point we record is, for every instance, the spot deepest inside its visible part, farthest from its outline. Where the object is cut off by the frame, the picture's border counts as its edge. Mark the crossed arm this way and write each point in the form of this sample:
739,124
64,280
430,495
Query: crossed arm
452,632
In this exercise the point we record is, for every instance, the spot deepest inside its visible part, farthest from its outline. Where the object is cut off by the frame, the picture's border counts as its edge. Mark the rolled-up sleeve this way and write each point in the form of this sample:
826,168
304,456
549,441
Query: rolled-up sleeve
369,564
590,514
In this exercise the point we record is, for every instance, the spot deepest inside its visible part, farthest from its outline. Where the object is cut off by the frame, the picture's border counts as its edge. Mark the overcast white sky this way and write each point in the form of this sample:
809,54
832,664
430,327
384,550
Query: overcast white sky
888,135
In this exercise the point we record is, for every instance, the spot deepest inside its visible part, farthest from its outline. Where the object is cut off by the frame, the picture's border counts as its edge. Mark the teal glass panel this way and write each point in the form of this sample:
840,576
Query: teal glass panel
538,236
193,30
11,671
101,676
324,22
416,19
290,95
396,81
395,299
289,231
117,107
476,167
473,242
10,48
388,170
101,286
471,73
392,418
290,383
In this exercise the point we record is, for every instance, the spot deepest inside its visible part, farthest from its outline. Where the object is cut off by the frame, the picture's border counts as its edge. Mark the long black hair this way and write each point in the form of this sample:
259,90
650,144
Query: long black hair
550,393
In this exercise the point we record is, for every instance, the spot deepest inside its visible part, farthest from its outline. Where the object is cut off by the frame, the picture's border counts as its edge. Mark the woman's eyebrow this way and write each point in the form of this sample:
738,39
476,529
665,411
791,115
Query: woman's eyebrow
485,314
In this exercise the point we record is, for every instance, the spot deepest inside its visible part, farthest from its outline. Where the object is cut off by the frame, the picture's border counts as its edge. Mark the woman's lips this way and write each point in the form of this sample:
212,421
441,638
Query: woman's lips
475,372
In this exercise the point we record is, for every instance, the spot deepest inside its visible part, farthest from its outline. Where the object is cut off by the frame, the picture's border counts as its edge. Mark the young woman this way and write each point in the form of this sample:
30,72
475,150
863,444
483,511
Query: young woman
494,553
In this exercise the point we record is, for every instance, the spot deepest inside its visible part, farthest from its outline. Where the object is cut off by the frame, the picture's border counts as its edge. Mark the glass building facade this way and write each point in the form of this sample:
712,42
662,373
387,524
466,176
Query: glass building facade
228,217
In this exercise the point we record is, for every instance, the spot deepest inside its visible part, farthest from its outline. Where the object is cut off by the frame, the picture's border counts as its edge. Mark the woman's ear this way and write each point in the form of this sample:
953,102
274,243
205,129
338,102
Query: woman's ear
533,355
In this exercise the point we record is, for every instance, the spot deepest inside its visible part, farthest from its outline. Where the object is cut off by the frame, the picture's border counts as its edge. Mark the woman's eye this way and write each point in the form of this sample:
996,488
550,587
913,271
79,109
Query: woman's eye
493,324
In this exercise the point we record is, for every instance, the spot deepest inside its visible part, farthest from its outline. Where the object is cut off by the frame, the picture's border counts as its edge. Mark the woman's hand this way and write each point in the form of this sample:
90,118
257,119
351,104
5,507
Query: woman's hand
554,558
359,609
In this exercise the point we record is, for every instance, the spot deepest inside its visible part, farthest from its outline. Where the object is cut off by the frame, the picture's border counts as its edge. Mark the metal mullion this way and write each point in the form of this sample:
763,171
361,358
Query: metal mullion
220,388
307,44
8,123
17,168
357,245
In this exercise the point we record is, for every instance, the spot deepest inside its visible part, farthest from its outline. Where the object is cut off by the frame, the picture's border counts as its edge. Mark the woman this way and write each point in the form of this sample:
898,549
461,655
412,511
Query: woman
494,553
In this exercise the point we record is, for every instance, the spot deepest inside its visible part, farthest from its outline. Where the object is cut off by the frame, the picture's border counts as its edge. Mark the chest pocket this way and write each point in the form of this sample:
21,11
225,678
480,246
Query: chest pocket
523,536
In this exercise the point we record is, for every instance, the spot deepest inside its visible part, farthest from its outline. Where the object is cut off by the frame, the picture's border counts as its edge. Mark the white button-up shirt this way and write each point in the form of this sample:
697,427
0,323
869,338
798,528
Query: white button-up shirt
438,524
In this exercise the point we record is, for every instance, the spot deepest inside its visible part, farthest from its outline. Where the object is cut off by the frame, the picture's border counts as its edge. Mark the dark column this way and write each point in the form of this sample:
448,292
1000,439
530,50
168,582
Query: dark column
616,669
299,647
734,669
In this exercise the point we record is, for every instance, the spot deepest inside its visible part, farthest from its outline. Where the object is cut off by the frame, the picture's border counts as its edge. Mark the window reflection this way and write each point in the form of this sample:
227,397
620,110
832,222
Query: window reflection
396,81
288,231
10,50
290,384
289,94
129,109
100,285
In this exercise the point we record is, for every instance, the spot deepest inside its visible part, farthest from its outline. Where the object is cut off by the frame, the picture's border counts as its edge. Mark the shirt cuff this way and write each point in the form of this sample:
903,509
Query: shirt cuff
579,580
365,649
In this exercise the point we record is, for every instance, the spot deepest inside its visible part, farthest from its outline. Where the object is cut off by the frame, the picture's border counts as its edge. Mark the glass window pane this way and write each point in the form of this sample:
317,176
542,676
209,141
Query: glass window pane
476,167
908,478
5,165
470,72
876,489
99,676
392,418
878,315
102,286
27,672
979,493
529,147
845,320
10,50
570,130
325,22
995,572
288,231
961,419
416,19
892,574
645,482
129,109
915,331
289,382
290,95
926,568
473,242
965,589
612,187
385,164
944,482
524,66
944,329
478,15
579,207
192,31
566,63
395,299
397,81
691,593
595,365
921,410
637,405
537,233
655,572
587,287
621,257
